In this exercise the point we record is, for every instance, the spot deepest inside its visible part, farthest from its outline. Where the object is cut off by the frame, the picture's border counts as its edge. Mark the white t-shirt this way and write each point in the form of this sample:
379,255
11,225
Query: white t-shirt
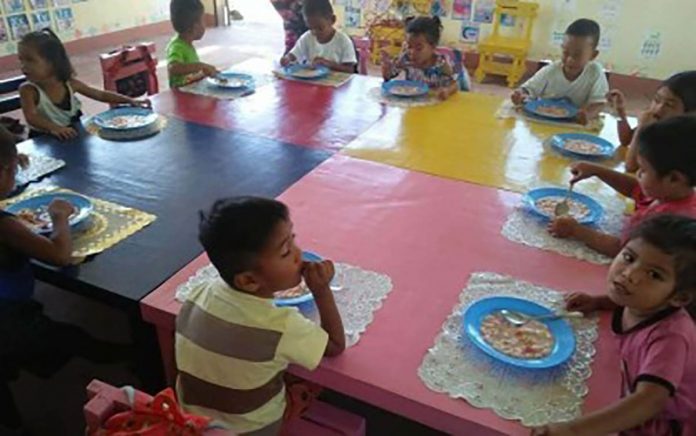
550,82
340,49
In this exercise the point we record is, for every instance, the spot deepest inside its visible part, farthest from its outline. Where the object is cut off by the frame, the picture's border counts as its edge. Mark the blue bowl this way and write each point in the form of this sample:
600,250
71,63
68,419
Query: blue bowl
558,143
82,204
420,88
533,106
236,80
307,256
103,119
318,72
595,209
564,345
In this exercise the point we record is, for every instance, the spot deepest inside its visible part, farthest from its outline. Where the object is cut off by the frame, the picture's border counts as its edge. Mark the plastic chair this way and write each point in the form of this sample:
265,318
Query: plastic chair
505,53
362,48
131,71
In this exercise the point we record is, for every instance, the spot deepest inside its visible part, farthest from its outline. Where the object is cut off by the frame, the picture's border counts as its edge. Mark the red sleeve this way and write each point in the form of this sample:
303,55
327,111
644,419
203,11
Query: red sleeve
664,362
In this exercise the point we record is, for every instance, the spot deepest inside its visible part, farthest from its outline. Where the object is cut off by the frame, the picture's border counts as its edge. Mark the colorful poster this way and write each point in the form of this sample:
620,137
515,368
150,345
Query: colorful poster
4,37
13,6
352,16
38,4
470,32
461,9
64,19
483,11
40,20
19,26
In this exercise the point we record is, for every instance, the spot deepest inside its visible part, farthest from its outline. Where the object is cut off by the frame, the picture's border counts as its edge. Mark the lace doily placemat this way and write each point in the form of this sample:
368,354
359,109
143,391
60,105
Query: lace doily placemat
358,293
454,366
126,135
39,166
508,110
527,229
108,224
377,95
335,79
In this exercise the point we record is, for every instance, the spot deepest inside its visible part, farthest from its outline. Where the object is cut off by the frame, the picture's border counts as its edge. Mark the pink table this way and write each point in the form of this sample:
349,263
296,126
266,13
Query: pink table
428,234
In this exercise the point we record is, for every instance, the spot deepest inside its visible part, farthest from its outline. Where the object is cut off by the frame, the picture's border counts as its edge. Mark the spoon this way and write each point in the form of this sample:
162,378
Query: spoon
563,208
518,319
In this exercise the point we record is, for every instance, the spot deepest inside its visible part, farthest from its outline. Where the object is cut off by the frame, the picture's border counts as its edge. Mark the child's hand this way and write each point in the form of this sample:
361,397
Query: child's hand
387,65
60,210
577,301
318,276
518,97
209,70
442,94
23,161
64,133
141,102
287,60
563,227
617,101
582,117
582,171
646,118
323,61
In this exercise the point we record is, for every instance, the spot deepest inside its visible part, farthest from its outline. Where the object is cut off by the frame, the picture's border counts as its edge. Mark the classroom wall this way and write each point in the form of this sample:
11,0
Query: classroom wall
644,38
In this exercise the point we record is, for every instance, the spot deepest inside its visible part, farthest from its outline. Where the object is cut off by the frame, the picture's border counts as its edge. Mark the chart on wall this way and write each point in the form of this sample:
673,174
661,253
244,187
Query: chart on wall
19,17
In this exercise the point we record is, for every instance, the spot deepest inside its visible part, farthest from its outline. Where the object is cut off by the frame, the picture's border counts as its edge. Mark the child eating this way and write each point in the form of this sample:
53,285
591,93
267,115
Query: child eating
322,44
664,184
576,77
232,344
420,61
650,285
183,63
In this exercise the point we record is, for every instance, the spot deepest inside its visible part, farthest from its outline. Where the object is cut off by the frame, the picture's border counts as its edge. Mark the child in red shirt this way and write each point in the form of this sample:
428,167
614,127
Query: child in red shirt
651,283
664,183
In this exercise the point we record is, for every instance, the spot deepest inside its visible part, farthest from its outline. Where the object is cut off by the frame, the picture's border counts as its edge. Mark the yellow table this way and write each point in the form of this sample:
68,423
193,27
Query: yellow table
462,139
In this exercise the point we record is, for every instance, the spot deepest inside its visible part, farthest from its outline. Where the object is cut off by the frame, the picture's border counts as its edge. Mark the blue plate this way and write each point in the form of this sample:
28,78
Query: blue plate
39,205
232,80
307,256
306,72
563,347
105,119
533,107
558,142
392,88
595,209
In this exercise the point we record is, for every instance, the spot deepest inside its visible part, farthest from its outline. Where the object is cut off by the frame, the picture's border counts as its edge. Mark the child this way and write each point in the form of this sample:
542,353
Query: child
230,338
48,97
322,44
676,96
183,63
650,282
577,76
665,182
290,12
420,61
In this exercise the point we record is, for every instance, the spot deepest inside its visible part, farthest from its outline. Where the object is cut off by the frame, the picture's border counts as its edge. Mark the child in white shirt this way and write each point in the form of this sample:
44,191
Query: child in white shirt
322,44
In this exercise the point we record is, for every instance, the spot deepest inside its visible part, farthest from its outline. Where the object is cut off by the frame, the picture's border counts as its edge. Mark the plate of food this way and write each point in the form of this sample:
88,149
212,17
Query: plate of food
534,345
125,118
582,145
555,109
306,72
34,211
300,293
542,202
231,80
405,88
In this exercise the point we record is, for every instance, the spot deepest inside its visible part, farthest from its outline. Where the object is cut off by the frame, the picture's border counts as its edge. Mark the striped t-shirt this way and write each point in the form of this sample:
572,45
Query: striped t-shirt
232,350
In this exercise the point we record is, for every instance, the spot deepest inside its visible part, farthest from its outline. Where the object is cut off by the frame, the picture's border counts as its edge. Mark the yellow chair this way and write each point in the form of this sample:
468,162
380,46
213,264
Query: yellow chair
505,53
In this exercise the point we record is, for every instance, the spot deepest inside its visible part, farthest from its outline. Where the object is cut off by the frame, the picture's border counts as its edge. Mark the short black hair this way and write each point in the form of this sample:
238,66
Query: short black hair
683,85
676,236
185,14
317,8
236,230
585,28
670,145
50,48
431,27
8,147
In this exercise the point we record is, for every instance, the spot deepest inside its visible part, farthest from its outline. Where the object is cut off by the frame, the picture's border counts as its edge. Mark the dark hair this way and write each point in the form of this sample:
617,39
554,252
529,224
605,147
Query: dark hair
8,147
317,8
236,229
683,85
431,27
676,236
184,14
670,145
585,28
52,50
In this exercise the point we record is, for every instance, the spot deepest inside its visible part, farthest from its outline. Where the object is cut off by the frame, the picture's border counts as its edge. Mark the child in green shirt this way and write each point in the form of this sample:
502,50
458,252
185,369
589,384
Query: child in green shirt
183,63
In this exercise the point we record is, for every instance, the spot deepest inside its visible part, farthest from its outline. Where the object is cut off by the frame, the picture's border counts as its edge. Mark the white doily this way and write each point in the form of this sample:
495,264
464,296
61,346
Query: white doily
455,366
524,228
379,96
39,166
360,295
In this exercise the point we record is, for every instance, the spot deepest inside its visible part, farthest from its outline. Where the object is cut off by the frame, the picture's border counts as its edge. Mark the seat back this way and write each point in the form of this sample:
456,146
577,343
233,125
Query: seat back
9,95
516,16
131,70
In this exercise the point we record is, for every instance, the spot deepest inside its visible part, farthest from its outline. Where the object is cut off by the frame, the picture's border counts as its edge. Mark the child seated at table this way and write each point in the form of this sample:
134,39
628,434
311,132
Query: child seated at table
48,97
675,96
232,343
419,59
322,44
183,64
664,183
651,287
576,77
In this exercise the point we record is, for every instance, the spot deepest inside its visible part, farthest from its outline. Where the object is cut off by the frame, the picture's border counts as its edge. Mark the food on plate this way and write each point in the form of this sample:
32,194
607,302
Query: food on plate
38,219
297,291
582,146
547,206
306,72
125,121
405,90
532,340
552,111
233,82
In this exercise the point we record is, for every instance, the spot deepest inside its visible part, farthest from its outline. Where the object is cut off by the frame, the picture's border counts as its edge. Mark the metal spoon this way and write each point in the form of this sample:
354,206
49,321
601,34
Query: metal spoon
518,319
563,208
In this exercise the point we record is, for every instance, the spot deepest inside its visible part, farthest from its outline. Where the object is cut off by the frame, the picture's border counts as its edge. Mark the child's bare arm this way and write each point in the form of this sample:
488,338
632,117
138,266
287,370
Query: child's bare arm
181,69
29,96
589,112
567,227
622,183
578,301
335,66
104,96
318,277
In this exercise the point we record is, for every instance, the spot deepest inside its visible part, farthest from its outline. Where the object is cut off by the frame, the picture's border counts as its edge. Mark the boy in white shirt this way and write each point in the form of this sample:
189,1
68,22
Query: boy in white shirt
322,44
577,76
